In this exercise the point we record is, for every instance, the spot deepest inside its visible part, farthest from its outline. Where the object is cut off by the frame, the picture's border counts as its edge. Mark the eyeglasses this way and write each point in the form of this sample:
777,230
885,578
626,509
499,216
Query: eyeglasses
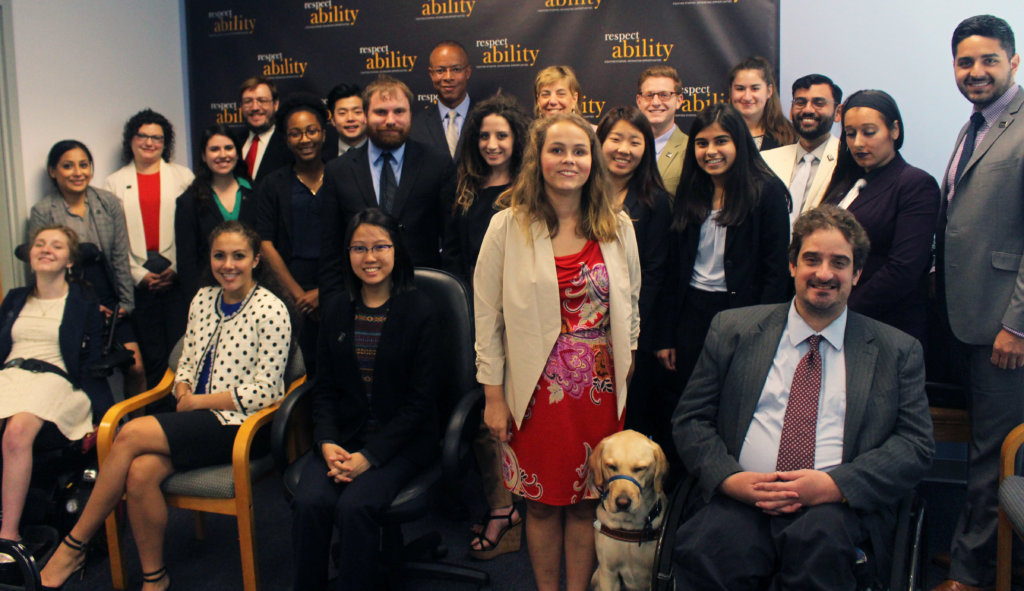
663,95
817,103
442,70
376,248
156,139
311,132
263,101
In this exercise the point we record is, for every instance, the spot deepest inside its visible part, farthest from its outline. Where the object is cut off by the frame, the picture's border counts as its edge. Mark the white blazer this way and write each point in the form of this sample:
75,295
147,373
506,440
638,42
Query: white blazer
174,179
515,289
782,161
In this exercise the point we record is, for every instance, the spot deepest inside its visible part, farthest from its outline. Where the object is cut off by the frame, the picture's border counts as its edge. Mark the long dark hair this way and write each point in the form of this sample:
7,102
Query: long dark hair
646,179
847,170
473,169
202,186
773,121
744,179
132,126
402,273
61,148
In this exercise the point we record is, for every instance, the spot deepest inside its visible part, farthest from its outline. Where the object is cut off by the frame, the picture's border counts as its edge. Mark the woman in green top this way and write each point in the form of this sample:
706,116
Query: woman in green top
221,191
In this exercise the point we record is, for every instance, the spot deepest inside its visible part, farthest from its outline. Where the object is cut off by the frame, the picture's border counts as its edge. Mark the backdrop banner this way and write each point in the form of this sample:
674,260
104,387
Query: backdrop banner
313,45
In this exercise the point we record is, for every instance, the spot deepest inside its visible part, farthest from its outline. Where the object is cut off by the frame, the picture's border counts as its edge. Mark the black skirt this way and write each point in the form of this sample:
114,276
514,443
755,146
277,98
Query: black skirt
197,438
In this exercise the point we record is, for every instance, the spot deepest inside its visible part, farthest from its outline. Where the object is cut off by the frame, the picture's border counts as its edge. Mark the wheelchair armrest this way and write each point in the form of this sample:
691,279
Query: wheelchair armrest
1008,455
283,443
460,428
111,420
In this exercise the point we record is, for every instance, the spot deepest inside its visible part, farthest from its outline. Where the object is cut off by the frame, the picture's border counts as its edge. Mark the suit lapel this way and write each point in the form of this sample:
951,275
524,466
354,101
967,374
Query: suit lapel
997,129
880,185
363,177
861,353
410,170
758,353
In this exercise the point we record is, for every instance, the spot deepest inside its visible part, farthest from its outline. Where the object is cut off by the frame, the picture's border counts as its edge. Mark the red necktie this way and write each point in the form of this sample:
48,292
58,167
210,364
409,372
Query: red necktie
250,156
796,445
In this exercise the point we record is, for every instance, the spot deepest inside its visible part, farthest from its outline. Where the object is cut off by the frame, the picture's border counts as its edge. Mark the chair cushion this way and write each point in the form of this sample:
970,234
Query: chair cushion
415,498
1011,498
216,482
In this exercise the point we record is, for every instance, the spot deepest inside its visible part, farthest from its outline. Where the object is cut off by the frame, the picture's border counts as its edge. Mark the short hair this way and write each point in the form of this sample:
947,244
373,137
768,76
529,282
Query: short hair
132,126
61,148
805,82
659,72
830,217
385,85
985,25
401,274
451,43
302,101
342,91
254,81
551,75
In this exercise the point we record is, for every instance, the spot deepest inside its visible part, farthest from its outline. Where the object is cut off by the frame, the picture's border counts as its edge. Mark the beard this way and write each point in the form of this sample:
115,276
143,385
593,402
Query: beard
388,138
824,125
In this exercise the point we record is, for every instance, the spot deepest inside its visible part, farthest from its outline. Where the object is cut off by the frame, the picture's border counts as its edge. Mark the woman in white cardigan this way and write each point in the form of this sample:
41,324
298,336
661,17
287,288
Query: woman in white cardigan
148,186
232,365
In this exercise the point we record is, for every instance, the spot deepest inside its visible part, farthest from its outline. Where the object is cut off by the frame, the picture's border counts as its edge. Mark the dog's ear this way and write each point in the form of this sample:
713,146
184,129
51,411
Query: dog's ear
597,464
660,465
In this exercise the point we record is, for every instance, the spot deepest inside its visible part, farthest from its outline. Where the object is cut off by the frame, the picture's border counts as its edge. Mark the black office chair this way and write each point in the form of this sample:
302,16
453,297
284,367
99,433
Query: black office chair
459,408
26,573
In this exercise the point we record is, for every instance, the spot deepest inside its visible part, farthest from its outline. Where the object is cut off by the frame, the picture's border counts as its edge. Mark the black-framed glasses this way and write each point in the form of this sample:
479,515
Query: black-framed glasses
817,102
263,101
664,95
311,132
376,248
156,139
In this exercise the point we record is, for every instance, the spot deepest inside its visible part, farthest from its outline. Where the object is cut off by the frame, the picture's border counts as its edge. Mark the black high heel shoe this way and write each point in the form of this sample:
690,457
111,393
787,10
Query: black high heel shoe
155,576
77,546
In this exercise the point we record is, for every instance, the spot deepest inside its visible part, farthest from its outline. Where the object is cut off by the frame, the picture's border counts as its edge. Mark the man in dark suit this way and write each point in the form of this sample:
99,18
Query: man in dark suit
803,425
440,124
404,178
980,276
348,121
262,147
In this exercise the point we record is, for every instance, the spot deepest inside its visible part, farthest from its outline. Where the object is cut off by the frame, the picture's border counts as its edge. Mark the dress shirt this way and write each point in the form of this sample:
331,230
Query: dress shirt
661,141
343,147
709,267
261,148
818,154
462,109
377,165
761,445
991,113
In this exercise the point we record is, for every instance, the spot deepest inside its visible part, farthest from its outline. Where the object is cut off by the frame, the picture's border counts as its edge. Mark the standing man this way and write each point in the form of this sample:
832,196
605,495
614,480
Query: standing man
263,148
658,92
804,424
403,177
440,124
980,243
348,120
806,166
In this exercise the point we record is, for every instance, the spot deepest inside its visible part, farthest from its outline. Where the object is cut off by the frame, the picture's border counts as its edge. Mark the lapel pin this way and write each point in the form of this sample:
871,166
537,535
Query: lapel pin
1003,124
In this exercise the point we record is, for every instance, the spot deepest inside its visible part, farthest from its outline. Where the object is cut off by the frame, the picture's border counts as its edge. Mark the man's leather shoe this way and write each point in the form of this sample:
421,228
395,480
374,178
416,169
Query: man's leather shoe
951,585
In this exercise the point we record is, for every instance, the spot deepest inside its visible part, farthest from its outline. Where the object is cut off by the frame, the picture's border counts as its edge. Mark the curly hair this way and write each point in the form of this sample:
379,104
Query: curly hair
473,169
146,116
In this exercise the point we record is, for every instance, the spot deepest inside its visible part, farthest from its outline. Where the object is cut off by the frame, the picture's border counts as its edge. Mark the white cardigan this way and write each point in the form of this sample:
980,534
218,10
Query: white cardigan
251,349
174,179
517,306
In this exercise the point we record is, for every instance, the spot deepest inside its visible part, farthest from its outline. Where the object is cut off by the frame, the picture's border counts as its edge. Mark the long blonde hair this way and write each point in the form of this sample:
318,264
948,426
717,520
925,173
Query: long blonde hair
527,196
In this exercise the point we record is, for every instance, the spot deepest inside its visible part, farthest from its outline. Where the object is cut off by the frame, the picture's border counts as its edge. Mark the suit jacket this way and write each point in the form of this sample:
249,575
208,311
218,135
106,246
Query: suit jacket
896,208
275,155
981,234
274,211
782,161
80,337
887,434
331,144
651,225
406,378
193,222
421,203
670,163
427,128
174,179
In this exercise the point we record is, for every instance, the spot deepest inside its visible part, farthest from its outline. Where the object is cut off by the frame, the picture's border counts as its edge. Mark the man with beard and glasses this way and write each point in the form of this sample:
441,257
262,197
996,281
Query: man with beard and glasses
405,178
803,424
263,148
980,276
807,165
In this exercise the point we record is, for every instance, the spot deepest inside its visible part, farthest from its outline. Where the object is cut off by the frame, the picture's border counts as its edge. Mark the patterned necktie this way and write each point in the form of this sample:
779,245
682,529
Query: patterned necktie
250,156
796,445
798,186
388,184
451,133
977,120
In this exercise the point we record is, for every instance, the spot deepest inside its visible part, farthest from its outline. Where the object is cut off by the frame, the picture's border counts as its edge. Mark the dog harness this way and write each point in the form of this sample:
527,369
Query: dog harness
647,534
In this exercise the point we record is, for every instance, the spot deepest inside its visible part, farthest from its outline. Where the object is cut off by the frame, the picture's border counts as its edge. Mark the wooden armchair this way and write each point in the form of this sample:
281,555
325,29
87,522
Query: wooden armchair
1011,507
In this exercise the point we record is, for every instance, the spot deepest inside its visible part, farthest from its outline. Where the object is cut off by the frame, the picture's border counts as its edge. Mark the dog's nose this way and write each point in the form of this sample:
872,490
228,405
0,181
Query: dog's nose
622,502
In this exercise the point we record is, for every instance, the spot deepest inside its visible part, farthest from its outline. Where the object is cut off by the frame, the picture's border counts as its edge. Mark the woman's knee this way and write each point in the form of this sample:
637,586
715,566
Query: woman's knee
583,510
137,368
540,511
145,472
21,432
138,436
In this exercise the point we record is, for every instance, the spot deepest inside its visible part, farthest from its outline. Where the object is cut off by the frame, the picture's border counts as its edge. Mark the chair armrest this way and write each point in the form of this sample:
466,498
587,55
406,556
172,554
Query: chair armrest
243,442
460,429
111,420
1008,455
286,443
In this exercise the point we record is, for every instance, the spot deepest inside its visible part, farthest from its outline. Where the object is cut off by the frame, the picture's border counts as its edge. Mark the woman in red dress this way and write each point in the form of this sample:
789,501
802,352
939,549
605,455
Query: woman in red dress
556,290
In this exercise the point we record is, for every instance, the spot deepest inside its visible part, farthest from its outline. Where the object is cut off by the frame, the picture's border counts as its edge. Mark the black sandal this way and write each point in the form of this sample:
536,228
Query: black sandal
76,545
155,576
509,537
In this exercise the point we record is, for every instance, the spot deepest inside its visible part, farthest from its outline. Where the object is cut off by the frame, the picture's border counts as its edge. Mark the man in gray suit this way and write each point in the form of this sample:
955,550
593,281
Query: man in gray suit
803,425
980,278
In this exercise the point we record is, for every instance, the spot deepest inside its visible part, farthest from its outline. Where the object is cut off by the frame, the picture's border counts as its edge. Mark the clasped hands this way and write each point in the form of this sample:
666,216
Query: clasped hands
780,493
341,465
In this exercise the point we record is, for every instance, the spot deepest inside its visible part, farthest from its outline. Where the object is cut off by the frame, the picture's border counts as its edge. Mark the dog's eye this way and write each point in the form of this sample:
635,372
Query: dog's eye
613,467
639,469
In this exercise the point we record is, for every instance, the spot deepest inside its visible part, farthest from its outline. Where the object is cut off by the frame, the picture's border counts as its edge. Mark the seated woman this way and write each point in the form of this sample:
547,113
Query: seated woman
556,90
752,90
49,334
97,217
216,386
896,203
220,192
374,405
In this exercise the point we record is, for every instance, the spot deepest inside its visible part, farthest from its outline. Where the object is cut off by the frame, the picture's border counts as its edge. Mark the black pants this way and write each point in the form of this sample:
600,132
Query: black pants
159,320
320,504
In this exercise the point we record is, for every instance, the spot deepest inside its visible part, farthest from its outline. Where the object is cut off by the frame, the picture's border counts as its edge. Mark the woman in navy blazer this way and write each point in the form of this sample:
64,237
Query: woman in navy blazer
374,405
896,203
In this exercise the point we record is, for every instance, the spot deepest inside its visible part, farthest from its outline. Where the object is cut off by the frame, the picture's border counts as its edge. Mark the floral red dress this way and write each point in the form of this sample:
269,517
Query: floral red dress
573,406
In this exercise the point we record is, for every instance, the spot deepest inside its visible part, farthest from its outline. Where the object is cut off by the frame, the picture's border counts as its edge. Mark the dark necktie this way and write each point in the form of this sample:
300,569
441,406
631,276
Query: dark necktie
977,120
796,444
388,184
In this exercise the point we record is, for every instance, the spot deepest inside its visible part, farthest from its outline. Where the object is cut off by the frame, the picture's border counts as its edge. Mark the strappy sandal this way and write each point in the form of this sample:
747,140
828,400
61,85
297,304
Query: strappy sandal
78,546
509,537
155,576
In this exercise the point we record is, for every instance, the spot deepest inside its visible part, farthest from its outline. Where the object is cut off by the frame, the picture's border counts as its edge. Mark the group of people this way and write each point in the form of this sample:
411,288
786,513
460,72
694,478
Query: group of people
621,257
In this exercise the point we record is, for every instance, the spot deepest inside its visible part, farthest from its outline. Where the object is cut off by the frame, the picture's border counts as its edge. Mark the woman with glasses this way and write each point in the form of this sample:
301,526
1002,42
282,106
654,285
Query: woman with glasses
148,186
288,219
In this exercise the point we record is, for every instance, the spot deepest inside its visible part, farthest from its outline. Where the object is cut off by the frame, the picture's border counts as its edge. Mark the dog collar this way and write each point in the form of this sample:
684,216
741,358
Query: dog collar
647,534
